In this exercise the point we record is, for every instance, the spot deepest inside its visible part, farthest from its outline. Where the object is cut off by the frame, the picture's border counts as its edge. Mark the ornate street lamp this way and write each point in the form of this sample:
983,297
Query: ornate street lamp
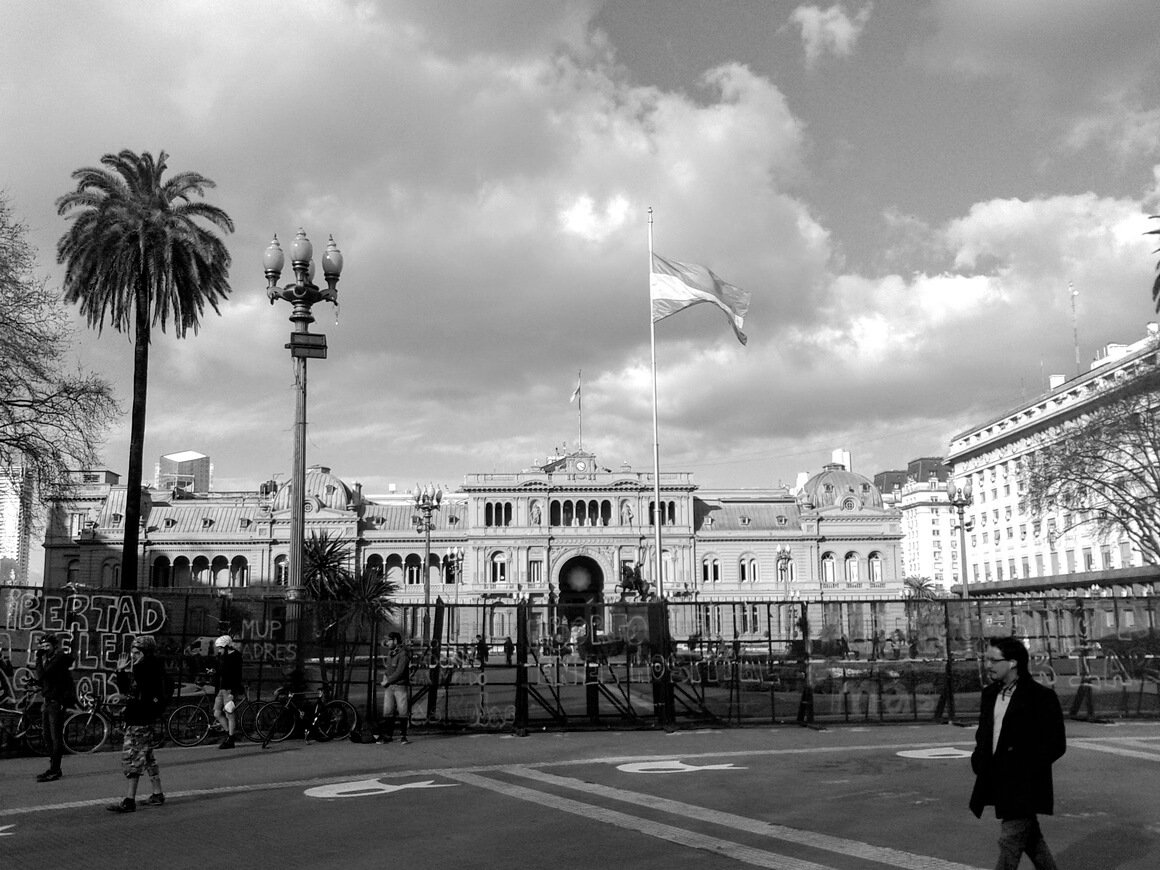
455,563
960,499
302,295
427,502
783,556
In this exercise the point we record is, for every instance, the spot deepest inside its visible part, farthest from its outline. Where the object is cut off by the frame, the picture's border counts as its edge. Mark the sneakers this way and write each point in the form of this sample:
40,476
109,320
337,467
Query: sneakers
380,739
228,743
155,800
127,805
48,776
404,739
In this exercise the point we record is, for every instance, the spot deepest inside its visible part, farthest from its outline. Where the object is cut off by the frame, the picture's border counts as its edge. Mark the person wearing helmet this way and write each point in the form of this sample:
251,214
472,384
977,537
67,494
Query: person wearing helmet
142,683
227,681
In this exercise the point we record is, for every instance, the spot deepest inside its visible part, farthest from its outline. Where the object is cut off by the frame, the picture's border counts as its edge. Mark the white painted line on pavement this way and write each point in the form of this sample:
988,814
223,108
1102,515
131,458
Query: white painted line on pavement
1086,743
679,836
881,854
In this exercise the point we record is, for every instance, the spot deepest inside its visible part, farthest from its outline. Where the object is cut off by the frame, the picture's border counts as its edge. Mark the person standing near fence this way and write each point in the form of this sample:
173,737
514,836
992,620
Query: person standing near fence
227,681
54,673
396,684
1020,736
142,682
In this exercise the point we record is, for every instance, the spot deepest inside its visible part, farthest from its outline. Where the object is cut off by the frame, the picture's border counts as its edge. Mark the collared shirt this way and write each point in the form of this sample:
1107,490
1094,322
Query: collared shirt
1002,701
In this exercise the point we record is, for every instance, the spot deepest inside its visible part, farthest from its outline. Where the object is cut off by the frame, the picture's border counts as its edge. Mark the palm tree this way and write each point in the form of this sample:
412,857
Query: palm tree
349,603
922,588
135,257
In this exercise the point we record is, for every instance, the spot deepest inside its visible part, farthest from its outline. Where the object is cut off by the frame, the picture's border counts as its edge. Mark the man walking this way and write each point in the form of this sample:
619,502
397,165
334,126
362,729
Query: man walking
143,685
54,674
227,681
396,689
1020,736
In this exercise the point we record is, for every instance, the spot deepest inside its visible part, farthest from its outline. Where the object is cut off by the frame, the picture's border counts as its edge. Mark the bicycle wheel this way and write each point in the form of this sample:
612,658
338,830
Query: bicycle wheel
247,717
188,725
275,721
33,735
336,720
85,731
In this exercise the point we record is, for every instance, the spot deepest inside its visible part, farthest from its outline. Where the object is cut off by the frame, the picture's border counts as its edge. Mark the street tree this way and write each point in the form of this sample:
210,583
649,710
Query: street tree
349,604
136,257
52,415
1103,467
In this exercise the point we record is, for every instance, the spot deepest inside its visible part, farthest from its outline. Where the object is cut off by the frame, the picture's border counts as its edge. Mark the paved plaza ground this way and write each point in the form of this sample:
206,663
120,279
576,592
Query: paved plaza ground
840,798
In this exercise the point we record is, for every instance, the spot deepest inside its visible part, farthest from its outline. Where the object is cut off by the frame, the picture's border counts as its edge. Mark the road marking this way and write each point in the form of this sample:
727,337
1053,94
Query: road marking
881,854
672,766
679,836
367,788
938,753
1088,743
4,832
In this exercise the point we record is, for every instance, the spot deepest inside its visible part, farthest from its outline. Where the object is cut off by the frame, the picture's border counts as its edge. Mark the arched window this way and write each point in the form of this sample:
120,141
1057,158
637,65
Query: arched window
200,570
181,572
498,564
394,565
111,574
851,569
829,569
159,576
220,570
239,571
72,572
710,569
554,513
413,570
605,512
567,518
375,565
875,565
281,570
488,514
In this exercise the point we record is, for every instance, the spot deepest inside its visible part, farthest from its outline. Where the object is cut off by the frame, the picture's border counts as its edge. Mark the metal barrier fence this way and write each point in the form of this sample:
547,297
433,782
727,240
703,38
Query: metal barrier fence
619,664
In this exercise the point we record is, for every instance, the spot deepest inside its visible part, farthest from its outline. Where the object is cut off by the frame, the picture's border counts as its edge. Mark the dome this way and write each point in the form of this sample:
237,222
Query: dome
323,489
834,486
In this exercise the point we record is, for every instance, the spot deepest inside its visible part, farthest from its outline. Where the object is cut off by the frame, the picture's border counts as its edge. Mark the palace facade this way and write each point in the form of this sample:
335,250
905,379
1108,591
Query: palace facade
565,530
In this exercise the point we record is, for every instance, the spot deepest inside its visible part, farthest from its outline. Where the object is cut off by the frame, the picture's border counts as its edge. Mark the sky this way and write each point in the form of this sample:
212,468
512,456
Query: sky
906,189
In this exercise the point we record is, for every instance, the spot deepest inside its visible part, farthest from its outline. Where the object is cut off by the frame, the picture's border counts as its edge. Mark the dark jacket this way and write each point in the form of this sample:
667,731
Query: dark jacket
1016,777
228,672
397,667
54,672
144,688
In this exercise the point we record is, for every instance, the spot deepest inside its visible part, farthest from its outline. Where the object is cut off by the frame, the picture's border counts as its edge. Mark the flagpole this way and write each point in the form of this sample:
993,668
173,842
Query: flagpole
658,513
579,410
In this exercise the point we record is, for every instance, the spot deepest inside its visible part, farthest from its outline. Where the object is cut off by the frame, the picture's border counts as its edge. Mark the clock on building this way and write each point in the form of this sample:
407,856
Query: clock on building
581,465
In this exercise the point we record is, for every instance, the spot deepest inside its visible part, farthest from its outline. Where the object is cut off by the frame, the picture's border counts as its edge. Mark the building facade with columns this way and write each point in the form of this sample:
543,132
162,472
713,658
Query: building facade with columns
566,530
1008,549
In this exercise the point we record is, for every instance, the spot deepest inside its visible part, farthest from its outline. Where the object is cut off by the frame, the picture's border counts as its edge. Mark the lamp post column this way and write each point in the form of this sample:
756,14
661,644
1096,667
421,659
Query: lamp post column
302,295
427,501
960,499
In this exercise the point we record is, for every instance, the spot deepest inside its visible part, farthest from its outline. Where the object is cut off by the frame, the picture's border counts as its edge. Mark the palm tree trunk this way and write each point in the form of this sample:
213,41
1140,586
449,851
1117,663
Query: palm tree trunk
136,442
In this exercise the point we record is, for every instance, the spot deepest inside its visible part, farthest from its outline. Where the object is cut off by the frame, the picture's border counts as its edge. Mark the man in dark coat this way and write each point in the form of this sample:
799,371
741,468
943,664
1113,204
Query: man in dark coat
54,673
1020,735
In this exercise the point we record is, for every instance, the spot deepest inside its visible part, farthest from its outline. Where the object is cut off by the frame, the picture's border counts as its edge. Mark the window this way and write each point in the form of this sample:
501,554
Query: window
829,569
1089,563
710,570
874,564
413,570
498,569
851,569
535,572
281,571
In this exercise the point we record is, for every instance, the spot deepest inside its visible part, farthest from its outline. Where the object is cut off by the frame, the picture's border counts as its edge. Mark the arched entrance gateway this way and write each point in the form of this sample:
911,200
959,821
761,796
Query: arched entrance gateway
581,584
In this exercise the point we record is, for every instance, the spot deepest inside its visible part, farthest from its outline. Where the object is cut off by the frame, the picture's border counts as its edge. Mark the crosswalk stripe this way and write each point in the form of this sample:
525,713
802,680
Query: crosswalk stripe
679,836
1114,750
880,854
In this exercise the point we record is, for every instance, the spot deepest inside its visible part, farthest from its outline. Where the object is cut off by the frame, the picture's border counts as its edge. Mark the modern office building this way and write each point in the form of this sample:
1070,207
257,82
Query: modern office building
1005,544
188,471
16,518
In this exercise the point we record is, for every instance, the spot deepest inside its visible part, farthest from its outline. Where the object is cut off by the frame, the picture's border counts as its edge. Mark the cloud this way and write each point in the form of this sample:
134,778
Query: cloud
829,30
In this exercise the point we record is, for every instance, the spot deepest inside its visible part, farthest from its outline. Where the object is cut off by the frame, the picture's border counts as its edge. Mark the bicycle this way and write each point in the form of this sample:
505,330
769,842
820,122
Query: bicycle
20,721
100,721
326,719
192,723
